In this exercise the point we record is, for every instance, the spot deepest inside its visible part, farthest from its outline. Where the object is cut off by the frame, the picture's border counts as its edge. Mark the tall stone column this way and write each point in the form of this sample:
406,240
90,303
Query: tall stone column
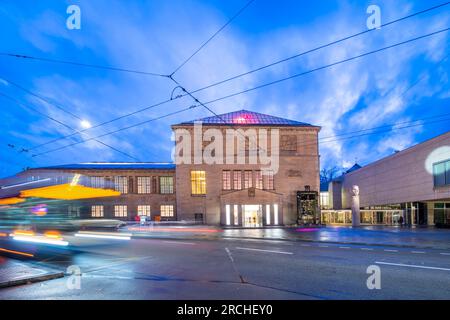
356,214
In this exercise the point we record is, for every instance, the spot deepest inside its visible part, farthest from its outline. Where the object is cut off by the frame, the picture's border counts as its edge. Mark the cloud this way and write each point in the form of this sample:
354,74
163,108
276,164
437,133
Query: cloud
158,37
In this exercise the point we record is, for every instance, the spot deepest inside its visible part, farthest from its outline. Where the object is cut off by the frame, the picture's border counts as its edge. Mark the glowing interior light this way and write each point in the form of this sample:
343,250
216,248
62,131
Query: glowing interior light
42,240
85,124
103,235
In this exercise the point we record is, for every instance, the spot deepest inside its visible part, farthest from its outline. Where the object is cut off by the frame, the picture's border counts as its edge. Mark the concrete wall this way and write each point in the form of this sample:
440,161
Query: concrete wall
403,177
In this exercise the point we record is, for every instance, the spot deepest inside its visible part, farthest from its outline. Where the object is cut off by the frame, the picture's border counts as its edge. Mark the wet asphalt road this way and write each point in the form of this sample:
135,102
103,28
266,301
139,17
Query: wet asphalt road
241,269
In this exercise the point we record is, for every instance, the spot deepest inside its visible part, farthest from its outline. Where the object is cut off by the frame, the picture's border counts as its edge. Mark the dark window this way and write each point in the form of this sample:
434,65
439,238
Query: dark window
441,173
447,172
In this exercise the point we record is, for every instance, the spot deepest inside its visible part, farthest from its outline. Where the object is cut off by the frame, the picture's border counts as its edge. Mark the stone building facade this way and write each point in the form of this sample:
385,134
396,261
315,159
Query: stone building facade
252,193
247,194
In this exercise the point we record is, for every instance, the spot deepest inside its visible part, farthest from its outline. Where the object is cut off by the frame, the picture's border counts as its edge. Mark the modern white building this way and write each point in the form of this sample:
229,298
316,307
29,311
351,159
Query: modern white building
413,184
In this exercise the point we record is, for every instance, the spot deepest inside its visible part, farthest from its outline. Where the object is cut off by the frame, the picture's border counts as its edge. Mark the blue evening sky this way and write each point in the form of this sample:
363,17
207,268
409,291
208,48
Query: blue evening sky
397,86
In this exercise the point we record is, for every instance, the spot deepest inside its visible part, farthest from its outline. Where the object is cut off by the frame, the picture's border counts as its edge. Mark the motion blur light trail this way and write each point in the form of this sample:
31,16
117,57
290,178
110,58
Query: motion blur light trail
104,235
17,252
41,239
179,229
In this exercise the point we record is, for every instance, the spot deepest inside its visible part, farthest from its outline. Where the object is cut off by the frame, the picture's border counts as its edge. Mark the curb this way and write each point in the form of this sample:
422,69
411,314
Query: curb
294,240
343,242
28,280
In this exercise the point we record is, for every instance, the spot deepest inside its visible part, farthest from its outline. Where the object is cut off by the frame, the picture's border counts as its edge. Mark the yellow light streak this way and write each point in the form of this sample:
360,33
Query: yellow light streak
68,192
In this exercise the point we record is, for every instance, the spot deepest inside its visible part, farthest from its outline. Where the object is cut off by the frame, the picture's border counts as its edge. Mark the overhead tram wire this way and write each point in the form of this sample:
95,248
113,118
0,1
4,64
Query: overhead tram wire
213,36
326,66
23,56
63,124
339,139
58,106
241,75
318,48
283,79
40,97
80,64
387,130
272,64
119,130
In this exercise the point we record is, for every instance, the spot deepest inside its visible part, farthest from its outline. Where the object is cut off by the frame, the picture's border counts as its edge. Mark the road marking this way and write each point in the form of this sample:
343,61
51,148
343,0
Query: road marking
305,245
412,266
323,246
261,240
229,254
180,242
390,250
370,249
445,253
417,251
263,250
344,247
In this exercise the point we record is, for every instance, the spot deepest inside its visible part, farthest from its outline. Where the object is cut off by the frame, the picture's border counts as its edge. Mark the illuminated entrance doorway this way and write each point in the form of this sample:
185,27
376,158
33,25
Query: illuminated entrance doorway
252,215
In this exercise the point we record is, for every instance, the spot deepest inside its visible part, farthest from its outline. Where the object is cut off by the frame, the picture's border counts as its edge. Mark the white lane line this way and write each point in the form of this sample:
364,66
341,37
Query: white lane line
179,242
417,251
368,249
445,253
263,250
261,240
323,246
390,250
268,240
229,254
344,247
411,266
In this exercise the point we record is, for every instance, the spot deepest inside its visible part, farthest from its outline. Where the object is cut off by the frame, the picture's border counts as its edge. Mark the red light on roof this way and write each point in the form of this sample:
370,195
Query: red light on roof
245,118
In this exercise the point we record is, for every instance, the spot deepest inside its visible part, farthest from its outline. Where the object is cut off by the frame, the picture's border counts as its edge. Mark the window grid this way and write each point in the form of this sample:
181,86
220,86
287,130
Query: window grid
120,211
144,210
268,180
226,180
121,184
258,180
97,182
97,211
237,180
166,210
166,185
198,182
144,185
248,179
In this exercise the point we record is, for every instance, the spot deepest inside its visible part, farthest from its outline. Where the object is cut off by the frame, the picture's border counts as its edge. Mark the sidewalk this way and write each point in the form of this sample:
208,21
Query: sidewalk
15,272
430,238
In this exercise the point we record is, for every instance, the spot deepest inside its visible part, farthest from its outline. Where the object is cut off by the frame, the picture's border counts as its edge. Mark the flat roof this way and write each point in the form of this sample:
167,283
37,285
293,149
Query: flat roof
113,166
